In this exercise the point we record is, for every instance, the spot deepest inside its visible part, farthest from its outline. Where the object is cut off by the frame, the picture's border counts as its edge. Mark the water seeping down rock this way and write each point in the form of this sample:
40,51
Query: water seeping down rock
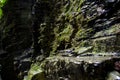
80,38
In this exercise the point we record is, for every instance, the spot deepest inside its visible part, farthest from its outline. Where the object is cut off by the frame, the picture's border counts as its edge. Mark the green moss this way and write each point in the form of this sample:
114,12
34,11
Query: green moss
83,33
39,76
65,24
65,34
62,36
36,72
97,48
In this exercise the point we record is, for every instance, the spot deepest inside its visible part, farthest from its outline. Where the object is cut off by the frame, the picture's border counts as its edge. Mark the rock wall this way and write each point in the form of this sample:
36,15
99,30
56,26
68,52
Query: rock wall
15,39
72,68
16,25
63,28
79,24
73,32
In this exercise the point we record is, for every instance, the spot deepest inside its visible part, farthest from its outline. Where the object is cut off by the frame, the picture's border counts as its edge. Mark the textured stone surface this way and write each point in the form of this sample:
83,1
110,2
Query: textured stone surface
71,28
84,34
72,68
73,24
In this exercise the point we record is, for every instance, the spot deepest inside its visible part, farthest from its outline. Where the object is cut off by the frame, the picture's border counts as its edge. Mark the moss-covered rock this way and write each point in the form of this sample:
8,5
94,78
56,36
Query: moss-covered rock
36,72
63,23
71,24
72,68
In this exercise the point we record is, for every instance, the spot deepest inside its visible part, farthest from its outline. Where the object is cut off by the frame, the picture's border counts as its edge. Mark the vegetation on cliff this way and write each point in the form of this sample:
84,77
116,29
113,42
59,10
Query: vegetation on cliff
44,31
73,25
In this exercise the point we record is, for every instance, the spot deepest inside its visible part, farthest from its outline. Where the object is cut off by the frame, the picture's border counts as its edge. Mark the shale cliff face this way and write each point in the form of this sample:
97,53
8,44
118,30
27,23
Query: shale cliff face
65,31
72,68
82,36
79,24
70,28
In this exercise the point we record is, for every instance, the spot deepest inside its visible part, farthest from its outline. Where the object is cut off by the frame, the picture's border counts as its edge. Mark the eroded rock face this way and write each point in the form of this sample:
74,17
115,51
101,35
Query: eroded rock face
78,28
76,24
72,68
83,26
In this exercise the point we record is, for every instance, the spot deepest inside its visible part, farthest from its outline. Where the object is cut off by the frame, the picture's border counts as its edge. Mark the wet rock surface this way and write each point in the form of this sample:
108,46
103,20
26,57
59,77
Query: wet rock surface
82,36
72,68
78,24
84,40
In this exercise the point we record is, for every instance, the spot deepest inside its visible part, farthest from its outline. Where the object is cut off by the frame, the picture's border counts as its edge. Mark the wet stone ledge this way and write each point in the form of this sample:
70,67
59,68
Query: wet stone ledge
78,68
